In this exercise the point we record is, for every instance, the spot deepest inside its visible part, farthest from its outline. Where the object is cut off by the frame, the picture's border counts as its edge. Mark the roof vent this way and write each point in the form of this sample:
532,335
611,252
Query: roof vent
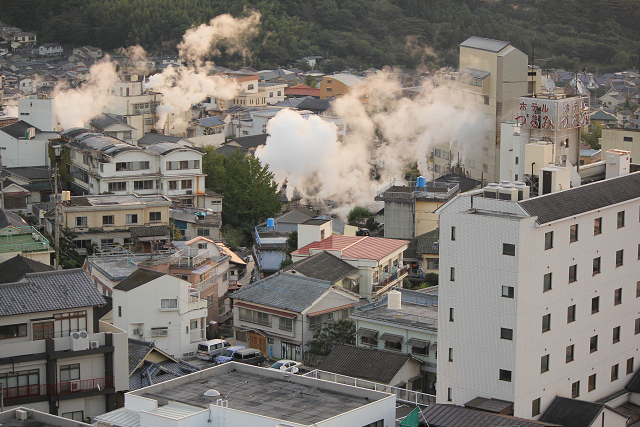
394,300
212,393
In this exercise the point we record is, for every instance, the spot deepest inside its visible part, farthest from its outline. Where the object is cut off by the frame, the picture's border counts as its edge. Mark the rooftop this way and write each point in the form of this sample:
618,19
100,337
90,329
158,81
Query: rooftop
419,310
572,412
324,266
17,130
408,190
263,392
36,419
138,278
348,79
14,269
358,247
484,44
457,416
121,199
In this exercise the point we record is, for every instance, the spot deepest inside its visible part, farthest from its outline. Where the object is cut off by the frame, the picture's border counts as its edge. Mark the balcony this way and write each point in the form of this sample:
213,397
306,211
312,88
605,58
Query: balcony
385,284
190,258
207,283
197,304
96,384
256,320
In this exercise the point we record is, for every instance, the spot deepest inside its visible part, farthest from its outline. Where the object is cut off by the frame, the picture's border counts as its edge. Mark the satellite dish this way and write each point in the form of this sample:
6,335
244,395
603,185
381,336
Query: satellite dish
550,85
581,89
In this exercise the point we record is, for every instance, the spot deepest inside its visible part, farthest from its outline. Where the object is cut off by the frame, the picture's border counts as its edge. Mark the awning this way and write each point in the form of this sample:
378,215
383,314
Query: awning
391,338
202,269
418,343
367,333
434,347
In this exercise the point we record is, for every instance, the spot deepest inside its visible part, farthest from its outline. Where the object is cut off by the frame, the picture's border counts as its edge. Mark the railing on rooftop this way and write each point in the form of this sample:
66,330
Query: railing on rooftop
23,239
432,190
402,394
190,257
382,285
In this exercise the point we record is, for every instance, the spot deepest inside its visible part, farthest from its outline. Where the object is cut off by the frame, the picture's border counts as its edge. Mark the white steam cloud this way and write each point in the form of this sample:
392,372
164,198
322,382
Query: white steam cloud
388,129
180,88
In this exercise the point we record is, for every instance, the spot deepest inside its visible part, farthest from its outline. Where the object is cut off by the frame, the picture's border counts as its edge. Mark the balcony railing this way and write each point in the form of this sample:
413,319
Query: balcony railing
190,257
23,239
24,391
57,389
391,280
197,304
207,283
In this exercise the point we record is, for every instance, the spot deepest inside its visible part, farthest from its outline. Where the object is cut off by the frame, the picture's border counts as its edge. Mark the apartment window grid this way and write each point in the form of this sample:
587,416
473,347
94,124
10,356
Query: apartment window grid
546,323
108,220
548,282
544,364
575,390
597,226
592,382
630,366
132,218
619,257
13,331
616,334
20,383
617,296
508,249
169,303
81,221
593,344
506,334
595,305
117,186
535,407
573,273
548,240
620,222
614,372
143,185
508,291
573,233
155,216
596,265
571,313
569,353
505,375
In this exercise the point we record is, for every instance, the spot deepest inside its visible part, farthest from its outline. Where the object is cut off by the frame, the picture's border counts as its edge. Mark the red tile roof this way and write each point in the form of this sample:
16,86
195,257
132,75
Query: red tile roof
302,90
358,247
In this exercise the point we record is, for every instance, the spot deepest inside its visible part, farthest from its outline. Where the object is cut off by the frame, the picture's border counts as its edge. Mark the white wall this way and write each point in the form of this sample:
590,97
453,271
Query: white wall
39,113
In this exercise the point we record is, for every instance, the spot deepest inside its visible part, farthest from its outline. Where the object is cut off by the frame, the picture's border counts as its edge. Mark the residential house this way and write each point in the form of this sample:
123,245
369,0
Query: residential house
574,412
233,390
173,316
316,106
25,186
621,139
403,321
301,90
114,126
340,84
109,220
379,260
604,117
209,131
611,100
18,238
275,92
24,145
13,418
247,143
279,315
567,254
148,365
154,138
132,100
51,49
88,52
14,269
325,266
193,222
55,354
422,254
589,156
409,206
22,39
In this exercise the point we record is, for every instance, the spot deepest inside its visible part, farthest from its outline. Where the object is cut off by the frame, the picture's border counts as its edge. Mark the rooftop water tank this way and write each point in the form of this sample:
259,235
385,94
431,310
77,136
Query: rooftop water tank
394,300
421,182
271,224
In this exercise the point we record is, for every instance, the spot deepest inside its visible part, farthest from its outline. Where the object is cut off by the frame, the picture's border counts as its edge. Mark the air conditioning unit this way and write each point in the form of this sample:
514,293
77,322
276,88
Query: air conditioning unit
137,331
189,191
79,341
94,344
75,386
21,415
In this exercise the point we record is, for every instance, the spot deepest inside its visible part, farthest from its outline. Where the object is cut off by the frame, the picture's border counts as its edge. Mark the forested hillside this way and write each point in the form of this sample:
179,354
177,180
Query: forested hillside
361,33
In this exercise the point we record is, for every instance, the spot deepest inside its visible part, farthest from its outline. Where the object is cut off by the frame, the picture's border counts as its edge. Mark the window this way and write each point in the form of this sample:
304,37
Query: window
546,286
249,87
569,353
241,336
505,375
507,291
593,344
619,257
516,160
637,289
18,383
132,218
575,390
573,273
13,331
546,322
571,314
453,274
630,366
597,226
186,184
485,168
592,382
627,138
472,164
453,233
506,334
449,397
70,373
393,345
65,323
614,372
106,241
436,168
595,305
131,166
372,341
155,216
573,233
436,152
596,266
81,221
535,407
420,351
279,93
86,159
285,324
617,296
108,220
451,314
450,355
638,251
119,311
204,232
620,221
143,185
173,185
76,415
544,363
548,240
117,186
445,155
616,334
168,303
508,249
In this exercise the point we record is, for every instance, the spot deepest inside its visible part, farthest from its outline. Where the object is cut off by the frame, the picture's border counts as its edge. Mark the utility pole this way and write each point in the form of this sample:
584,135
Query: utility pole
1,182
56,218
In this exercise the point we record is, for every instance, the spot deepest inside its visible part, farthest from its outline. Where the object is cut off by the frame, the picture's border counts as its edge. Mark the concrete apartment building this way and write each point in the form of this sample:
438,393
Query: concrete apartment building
135,103
228,395
495,73
622,139
55,354
538,297
17,417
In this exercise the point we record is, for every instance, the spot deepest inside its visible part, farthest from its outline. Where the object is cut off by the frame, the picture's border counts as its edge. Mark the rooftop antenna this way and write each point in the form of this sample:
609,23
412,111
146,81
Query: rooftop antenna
533,59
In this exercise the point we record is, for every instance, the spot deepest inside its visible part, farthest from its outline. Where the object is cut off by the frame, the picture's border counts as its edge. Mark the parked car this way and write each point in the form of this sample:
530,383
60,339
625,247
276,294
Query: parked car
210,349
227,354
250,356
287,366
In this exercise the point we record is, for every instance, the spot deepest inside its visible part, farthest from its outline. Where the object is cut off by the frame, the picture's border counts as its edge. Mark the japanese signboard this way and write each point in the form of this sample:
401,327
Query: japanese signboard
552,114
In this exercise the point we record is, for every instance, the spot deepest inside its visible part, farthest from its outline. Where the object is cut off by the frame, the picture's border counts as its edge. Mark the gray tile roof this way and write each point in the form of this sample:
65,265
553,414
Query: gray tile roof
285,291
105,120
444,415
572,412
583,199
314,104
484,44
634,383
323,266
472,72
137,278
48,291
426,243
14,269
30,172
154,138
366,363
143,373
10,219
149,231
138,350
18,129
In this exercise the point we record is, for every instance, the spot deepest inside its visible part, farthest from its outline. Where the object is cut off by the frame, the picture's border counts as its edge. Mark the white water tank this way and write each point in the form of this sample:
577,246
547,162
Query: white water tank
394,300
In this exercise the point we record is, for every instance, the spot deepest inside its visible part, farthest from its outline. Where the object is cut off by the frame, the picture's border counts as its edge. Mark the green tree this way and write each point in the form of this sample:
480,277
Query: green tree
332,334
593,135
357,214
310,81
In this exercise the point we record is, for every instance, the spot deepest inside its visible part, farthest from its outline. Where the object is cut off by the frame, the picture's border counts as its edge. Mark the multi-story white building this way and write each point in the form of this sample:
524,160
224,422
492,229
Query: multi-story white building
102,164
130,99
55,354
172,315
538,297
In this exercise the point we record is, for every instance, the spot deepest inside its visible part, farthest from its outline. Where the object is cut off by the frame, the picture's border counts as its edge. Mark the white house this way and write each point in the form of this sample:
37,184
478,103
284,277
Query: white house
22,144
537,298
39,112
173,315
51,49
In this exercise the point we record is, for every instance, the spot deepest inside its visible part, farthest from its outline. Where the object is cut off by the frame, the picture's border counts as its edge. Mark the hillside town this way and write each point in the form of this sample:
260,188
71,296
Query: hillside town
172,255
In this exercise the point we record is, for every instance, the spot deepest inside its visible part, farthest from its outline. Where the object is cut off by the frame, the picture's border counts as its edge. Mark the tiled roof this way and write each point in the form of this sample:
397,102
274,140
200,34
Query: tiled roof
356,247
138,350
426,243
285,291
137,278
484,44
583,199
30,172
252,141
366,363
10,219
571,412
18,129
149,231
444,415
314,104
14,269
324,266
47,291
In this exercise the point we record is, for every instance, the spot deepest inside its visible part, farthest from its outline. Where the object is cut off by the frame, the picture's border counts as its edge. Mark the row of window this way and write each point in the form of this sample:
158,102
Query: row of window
183,164
573,270
260,318
573,230
82,221
394,345
185,184
595,308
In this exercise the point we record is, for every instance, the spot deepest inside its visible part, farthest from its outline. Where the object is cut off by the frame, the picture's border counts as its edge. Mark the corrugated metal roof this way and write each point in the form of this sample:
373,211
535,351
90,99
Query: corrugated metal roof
358,247
457,416
120,418
484,44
